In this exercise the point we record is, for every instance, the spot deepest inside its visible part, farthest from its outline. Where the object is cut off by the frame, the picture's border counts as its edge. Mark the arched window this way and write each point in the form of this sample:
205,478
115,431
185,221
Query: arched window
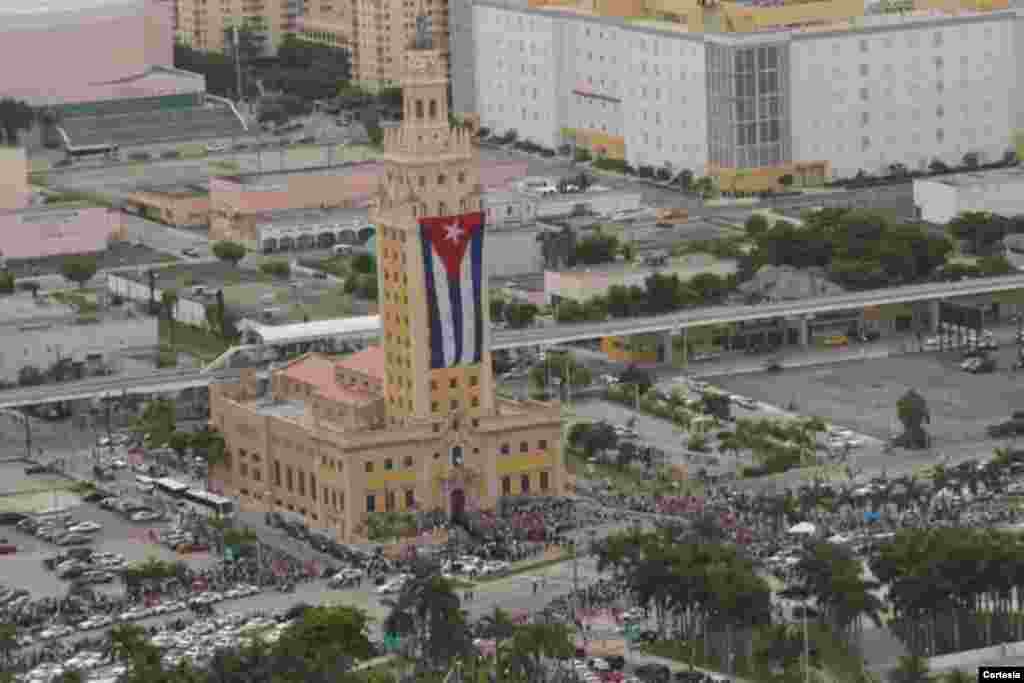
419,109
457,456
442,209
433,109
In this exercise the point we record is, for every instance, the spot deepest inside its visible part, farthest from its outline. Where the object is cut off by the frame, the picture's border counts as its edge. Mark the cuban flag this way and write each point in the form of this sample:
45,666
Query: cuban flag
453,249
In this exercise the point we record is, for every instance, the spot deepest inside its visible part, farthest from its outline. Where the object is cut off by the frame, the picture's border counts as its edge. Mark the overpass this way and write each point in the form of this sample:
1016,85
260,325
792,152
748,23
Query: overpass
112,387
177,380
366,327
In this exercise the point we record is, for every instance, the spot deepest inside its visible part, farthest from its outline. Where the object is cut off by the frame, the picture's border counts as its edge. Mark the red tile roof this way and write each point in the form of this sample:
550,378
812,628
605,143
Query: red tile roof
318,371
369,361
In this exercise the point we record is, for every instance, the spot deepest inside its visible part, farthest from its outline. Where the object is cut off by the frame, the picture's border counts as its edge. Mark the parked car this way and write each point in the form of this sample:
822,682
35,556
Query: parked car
73,539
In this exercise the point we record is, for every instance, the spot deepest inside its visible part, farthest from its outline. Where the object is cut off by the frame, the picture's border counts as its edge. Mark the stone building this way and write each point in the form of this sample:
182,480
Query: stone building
414,423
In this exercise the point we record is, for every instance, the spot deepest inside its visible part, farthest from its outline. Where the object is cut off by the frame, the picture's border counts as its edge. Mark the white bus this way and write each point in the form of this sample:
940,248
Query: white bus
171,487
209,504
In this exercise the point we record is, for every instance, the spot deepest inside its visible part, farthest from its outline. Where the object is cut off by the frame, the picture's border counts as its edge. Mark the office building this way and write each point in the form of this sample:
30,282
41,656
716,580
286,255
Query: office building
748,92
206,25
412,424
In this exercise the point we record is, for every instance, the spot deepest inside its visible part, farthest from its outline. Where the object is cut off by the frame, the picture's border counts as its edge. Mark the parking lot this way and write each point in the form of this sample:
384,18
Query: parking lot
23,569
862,395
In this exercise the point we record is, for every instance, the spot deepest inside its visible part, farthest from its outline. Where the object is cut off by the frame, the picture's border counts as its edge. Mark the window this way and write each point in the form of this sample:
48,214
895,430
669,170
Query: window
389,501
524,483
312,487
864,70
865,144
544,483
453,383
865,118
371,503
505,449
389,464
939,111
864,94
937,39
433,406
410,498
288,478
524,447
863,46
506,486
940,135
419,109
473,380
369,467
542,445
475,402
302,483
454,404
433,109
407,461
457,458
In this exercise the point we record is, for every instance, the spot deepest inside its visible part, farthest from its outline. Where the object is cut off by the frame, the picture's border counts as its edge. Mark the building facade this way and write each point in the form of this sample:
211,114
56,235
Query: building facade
202,25
734,97
413,423
940,200
376,34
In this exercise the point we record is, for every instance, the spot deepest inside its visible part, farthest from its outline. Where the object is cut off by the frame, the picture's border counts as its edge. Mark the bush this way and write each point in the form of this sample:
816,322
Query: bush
280,269
583,156
170,154
140,156
616,165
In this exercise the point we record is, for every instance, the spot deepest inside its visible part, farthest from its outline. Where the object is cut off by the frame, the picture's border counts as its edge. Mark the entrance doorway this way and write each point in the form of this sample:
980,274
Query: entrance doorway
458,504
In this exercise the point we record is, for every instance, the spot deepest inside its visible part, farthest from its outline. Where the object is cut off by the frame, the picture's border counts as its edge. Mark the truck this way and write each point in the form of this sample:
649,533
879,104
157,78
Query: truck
667,218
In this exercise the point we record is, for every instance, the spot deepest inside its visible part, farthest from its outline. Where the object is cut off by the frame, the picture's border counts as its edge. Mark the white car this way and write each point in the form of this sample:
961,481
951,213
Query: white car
87,527
743,401
144,516
216,147
392,586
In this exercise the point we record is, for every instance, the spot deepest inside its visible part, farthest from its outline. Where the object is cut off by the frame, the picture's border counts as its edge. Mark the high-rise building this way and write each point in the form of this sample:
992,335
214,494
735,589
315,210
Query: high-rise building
413,423
206,25
748,91
376,33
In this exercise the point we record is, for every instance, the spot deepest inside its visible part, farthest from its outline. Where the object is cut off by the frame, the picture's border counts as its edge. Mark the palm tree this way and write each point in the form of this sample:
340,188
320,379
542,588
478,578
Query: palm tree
169,299
499,627
911,669
8,641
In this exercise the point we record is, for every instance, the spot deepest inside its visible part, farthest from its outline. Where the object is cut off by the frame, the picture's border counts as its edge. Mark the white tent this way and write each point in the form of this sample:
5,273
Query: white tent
804,528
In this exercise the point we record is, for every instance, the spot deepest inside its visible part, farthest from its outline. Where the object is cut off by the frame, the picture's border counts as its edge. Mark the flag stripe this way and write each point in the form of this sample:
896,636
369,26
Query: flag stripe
436,348
477,258
446,336
469,298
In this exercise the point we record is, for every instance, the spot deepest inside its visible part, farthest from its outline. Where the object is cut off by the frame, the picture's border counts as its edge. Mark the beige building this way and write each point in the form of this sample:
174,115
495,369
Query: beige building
201,24
376,32
413,423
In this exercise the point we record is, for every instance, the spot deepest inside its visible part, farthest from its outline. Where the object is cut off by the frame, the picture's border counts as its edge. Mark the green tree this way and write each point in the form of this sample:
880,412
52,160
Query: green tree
331,638
230,252
532,644
756,225
520,314
364,264
78,269
8,641
180,442
169,303
15,116
911,669
983,231
7,282
912,412
428,610
499,627
277,268
596,249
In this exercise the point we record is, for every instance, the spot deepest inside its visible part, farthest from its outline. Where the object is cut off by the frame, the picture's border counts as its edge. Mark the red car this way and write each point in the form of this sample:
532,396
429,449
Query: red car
7,549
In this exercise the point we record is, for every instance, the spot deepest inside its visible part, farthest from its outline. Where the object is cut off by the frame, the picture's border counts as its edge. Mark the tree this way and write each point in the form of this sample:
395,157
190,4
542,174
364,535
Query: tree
276,268
756,225
231,252
520,314
911,669
30,376
637,377
983,231
7,282
787,180
912,412
15,116
78,269
499,627
596,249
330,638
428,610
533,643
364,264
180,442
8,641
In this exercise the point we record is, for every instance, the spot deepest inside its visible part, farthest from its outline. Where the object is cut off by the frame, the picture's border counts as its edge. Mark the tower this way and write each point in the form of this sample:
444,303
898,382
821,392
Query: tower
430,258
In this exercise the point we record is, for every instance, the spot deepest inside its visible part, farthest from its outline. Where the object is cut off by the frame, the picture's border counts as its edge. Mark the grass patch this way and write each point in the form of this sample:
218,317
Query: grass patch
193,341
80,300
527,568
221,166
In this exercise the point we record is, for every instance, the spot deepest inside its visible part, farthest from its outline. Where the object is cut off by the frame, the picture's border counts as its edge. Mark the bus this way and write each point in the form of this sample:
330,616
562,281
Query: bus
209,504
171,487
107,151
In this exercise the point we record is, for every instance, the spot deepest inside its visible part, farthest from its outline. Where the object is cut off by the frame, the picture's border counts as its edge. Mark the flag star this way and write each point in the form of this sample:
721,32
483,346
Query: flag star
452,232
